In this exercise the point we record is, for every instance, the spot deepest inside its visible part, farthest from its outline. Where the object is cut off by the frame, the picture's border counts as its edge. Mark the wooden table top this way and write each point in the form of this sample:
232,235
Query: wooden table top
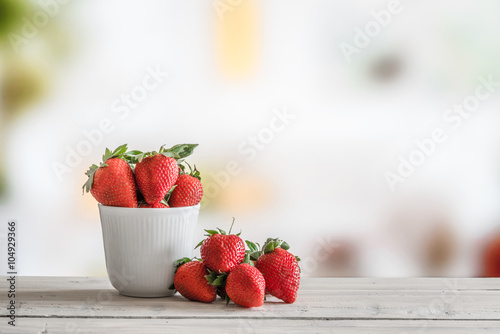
50,305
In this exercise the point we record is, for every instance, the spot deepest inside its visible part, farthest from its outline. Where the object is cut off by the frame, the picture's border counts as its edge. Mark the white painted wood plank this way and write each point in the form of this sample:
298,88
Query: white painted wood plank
157,326
318,299
315,283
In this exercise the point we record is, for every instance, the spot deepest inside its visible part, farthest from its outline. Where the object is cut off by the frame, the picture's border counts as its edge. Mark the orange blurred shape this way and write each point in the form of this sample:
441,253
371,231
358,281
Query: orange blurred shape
237,37
244,194
491,257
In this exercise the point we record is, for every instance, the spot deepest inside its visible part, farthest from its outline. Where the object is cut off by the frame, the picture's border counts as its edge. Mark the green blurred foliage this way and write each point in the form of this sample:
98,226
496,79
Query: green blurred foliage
11,14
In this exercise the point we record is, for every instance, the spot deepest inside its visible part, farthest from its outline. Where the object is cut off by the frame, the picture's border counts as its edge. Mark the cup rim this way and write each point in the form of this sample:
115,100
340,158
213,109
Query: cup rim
170,209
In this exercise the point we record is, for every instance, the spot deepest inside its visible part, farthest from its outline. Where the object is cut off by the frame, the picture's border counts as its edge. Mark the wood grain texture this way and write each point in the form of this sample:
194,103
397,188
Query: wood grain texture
199,326
324,305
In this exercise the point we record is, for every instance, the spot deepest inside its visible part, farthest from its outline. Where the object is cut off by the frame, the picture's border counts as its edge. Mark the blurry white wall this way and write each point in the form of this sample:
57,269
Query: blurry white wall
321,178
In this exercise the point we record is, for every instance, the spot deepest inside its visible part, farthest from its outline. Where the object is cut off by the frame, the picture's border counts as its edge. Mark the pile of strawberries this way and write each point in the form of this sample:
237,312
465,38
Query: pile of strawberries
145,179
243,276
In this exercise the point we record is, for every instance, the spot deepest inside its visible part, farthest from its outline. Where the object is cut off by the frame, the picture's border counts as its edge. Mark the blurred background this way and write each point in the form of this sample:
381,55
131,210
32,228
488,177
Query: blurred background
310,117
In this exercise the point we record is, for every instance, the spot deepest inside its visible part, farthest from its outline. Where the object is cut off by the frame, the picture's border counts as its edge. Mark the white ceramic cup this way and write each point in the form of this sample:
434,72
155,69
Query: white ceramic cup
141,245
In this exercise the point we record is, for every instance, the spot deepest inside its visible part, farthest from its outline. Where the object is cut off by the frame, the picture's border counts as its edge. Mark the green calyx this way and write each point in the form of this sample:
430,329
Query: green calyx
218,231
177,152
181,261
218,280
193,172
255,251
168,194
119,152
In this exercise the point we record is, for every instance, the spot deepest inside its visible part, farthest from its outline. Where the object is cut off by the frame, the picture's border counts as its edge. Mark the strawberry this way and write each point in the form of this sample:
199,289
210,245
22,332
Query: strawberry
157,172
222,252
159,205
191,283
279,268
188,191
245,286
155,175
112,182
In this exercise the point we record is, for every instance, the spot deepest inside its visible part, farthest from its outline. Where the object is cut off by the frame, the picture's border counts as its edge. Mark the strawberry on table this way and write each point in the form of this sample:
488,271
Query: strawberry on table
245,286
188,190
191,283
112,182
279,268
222,252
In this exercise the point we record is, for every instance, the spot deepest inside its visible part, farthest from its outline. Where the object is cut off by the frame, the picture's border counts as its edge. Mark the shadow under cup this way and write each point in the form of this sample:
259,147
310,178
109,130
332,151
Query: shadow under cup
141,245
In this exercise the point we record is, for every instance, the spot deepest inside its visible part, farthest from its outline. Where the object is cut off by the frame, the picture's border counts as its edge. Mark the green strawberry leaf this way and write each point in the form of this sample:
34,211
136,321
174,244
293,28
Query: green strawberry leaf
168,194
90,173
272,243
251,246
269,247
195,173
182,168
183,150
199,244
117,153
216,279
182,261
285,245
211,232
220,280
120,150
247,259
211,276
133,152
255,255
169,154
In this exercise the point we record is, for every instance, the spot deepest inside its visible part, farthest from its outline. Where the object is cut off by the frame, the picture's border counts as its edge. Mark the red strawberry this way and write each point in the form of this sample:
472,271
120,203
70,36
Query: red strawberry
112,183
155,175
191,283
222,252
245,286
188,191
159,205
280,270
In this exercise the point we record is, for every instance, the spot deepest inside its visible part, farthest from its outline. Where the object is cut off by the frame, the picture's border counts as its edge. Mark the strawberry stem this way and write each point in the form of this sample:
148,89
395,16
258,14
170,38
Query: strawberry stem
231,226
